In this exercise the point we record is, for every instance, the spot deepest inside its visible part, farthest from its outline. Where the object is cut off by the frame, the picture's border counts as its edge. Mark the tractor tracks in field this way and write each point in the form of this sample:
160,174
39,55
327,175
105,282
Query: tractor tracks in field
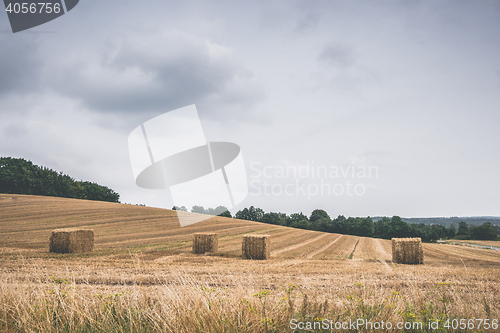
354,249
381,249
293,247
323,248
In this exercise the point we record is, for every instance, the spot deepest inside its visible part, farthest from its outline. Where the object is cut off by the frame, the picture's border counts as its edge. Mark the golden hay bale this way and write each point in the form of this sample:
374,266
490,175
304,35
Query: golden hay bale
205,242
407,251
256,247
71,240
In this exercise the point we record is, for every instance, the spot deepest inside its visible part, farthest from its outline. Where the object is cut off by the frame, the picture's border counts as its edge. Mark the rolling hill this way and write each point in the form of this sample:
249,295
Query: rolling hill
143,277
26,223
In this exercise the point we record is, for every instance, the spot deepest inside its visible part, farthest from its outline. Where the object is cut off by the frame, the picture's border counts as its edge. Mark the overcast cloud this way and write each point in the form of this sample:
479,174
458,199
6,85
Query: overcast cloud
410,88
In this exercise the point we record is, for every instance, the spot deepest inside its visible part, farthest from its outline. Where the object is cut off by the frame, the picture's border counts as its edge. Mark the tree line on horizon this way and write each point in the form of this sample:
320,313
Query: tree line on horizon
19,176
486,231
386,227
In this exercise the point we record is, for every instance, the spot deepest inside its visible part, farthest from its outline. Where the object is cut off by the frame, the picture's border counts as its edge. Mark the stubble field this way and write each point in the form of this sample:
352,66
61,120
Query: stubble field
142,276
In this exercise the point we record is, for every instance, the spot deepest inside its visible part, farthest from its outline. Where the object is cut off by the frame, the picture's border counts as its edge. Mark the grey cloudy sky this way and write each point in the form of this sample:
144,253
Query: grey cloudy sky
411,88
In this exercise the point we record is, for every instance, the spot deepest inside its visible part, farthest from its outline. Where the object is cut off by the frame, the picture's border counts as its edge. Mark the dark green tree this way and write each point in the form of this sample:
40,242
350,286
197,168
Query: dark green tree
485,231
250,214
463,229
340,225
318,214
301,224
295,217
219,211
366,227
452,231
398,227
383,228
272,218
18,176
320,220
226,213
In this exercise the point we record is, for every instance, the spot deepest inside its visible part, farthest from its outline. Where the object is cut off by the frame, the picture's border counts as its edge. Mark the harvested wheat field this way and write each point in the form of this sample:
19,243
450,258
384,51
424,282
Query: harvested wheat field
142,276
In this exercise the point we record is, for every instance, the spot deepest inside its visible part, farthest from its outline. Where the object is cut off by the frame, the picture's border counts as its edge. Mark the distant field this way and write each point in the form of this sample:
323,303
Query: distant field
142,274
478,242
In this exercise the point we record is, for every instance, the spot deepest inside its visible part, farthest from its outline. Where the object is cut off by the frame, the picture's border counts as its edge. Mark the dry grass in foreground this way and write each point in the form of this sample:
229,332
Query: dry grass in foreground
141,277
188,293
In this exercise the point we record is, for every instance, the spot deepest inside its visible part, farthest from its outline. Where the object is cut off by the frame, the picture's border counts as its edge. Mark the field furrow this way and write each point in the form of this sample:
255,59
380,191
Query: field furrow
366,249
341,249
332,240
296,238
297,245
303,249
385,249
444,251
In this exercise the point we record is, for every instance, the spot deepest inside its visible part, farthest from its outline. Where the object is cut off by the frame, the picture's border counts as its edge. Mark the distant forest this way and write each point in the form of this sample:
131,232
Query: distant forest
19,176
383,227
447,221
